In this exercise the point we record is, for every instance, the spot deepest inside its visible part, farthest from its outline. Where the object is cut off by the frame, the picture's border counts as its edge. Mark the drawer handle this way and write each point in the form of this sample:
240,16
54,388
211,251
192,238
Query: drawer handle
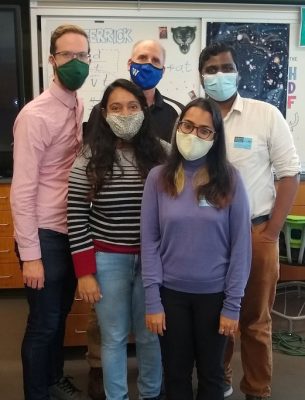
5,251
4,224
3,197
6,276
78,331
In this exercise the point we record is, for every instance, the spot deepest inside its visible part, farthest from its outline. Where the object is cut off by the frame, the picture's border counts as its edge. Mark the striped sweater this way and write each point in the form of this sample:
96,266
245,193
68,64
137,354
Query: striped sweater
111,222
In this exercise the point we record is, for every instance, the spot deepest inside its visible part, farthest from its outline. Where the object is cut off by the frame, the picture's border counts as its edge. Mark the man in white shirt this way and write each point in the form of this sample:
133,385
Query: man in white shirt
258,141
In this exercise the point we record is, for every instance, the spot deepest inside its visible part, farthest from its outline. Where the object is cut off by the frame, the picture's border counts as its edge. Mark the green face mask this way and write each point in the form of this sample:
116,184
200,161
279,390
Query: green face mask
73,74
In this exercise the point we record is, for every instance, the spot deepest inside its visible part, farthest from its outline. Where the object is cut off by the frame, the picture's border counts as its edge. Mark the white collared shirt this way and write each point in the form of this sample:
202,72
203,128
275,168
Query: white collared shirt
259,142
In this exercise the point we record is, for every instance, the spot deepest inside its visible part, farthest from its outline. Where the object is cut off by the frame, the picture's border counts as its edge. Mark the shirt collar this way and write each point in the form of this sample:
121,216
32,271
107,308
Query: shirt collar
65,96
158,100
237,106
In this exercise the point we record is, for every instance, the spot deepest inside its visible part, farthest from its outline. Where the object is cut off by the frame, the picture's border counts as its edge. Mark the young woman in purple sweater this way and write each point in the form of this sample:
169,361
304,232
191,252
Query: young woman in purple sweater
196,252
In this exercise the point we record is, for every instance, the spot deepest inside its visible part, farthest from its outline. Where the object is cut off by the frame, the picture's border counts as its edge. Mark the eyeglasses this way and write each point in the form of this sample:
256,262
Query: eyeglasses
203,132
70,55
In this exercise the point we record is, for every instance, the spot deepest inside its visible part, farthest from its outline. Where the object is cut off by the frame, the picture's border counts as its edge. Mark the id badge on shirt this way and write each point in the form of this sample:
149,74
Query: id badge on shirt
242,142
203,203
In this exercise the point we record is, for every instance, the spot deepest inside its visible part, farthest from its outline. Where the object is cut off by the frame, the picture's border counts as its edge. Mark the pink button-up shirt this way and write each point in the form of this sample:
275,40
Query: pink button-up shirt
47,137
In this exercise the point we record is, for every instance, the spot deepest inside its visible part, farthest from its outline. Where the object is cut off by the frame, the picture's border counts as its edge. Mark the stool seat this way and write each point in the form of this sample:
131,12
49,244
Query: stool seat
294,222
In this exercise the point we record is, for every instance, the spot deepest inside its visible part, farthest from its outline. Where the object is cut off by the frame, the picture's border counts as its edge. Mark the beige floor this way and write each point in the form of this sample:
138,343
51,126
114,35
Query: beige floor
288,380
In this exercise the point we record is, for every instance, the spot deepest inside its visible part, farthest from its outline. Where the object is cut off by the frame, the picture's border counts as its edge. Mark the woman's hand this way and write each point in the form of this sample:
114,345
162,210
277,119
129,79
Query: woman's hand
156,323
89,289
227,326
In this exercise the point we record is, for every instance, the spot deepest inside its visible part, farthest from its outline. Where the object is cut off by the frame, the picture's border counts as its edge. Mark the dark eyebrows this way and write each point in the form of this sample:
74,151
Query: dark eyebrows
231,64
221,67
199,126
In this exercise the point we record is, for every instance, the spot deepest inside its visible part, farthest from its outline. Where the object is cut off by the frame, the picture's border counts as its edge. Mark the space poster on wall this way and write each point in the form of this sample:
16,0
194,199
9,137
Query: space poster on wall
262,51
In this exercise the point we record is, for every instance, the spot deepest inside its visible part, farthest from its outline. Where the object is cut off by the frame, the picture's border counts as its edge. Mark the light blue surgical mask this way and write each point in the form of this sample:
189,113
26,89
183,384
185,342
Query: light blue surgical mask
221,86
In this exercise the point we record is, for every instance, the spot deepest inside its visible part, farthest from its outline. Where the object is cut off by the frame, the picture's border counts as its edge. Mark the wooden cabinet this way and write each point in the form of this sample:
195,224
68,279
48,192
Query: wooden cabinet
77,322
10,274
298,207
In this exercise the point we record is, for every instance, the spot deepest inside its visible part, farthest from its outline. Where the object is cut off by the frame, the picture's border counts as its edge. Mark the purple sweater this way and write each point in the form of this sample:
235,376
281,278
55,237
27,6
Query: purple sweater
192,247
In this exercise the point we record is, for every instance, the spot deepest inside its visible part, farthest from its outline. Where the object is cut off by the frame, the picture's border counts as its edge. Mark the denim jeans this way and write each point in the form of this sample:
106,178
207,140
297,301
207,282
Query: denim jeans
42,346
120,311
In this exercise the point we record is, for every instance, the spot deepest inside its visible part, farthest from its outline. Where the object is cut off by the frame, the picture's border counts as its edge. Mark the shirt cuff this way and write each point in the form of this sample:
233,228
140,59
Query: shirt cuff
30,254
153,300
230,314
84,263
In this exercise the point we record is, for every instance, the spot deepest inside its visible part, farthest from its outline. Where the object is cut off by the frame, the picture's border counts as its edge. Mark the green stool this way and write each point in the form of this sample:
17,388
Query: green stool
294,222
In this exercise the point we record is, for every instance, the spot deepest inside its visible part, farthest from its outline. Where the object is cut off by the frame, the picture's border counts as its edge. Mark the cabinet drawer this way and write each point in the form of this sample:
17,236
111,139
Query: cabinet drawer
297,210
79,306
300,197
76,330
10,276
6,224
7,250
4,197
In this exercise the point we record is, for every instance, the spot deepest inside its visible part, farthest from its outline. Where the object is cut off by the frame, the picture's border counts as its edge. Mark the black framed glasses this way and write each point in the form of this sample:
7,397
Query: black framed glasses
202,132
70,55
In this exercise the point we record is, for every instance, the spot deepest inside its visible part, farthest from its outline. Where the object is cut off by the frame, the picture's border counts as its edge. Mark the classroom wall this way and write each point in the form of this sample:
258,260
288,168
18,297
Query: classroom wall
145,19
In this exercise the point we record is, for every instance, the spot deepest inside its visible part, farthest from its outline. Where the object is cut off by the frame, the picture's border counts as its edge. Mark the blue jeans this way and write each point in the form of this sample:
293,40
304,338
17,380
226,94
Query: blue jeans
121,311
42,346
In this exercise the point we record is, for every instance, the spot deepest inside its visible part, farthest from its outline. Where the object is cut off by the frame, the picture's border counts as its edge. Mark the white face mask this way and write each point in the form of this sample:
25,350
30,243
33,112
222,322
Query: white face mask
125,126
192,147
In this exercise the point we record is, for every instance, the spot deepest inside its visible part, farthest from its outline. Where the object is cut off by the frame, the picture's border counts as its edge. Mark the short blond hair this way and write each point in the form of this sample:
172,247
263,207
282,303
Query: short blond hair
63,29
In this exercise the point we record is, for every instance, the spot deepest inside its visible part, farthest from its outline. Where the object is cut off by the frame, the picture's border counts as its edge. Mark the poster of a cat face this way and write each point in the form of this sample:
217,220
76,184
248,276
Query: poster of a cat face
184,37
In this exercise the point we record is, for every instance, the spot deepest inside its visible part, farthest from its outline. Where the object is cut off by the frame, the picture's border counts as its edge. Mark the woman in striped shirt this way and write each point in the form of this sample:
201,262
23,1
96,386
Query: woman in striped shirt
104,202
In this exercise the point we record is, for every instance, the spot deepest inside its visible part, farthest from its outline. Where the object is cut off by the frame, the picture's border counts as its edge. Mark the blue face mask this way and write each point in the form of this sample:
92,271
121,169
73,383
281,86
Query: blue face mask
145,75
220,86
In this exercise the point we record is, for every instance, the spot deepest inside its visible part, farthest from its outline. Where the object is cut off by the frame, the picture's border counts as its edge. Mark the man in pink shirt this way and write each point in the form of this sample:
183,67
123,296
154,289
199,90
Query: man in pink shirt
47,137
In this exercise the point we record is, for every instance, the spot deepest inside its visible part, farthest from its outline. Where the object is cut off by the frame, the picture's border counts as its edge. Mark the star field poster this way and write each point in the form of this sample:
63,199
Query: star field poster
263,53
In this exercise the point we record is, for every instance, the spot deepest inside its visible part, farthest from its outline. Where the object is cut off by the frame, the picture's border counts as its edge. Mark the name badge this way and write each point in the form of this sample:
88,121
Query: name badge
241,142
203,203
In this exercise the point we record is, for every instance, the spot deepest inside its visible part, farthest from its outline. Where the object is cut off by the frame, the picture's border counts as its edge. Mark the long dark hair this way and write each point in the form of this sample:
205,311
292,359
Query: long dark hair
215,178
102,141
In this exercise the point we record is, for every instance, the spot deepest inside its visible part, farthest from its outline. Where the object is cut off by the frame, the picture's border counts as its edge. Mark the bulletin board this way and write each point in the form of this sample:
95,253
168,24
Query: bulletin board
113,30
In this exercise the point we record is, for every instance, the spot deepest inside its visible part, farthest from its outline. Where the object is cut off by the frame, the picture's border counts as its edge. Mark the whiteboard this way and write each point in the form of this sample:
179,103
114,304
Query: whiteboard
111,41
